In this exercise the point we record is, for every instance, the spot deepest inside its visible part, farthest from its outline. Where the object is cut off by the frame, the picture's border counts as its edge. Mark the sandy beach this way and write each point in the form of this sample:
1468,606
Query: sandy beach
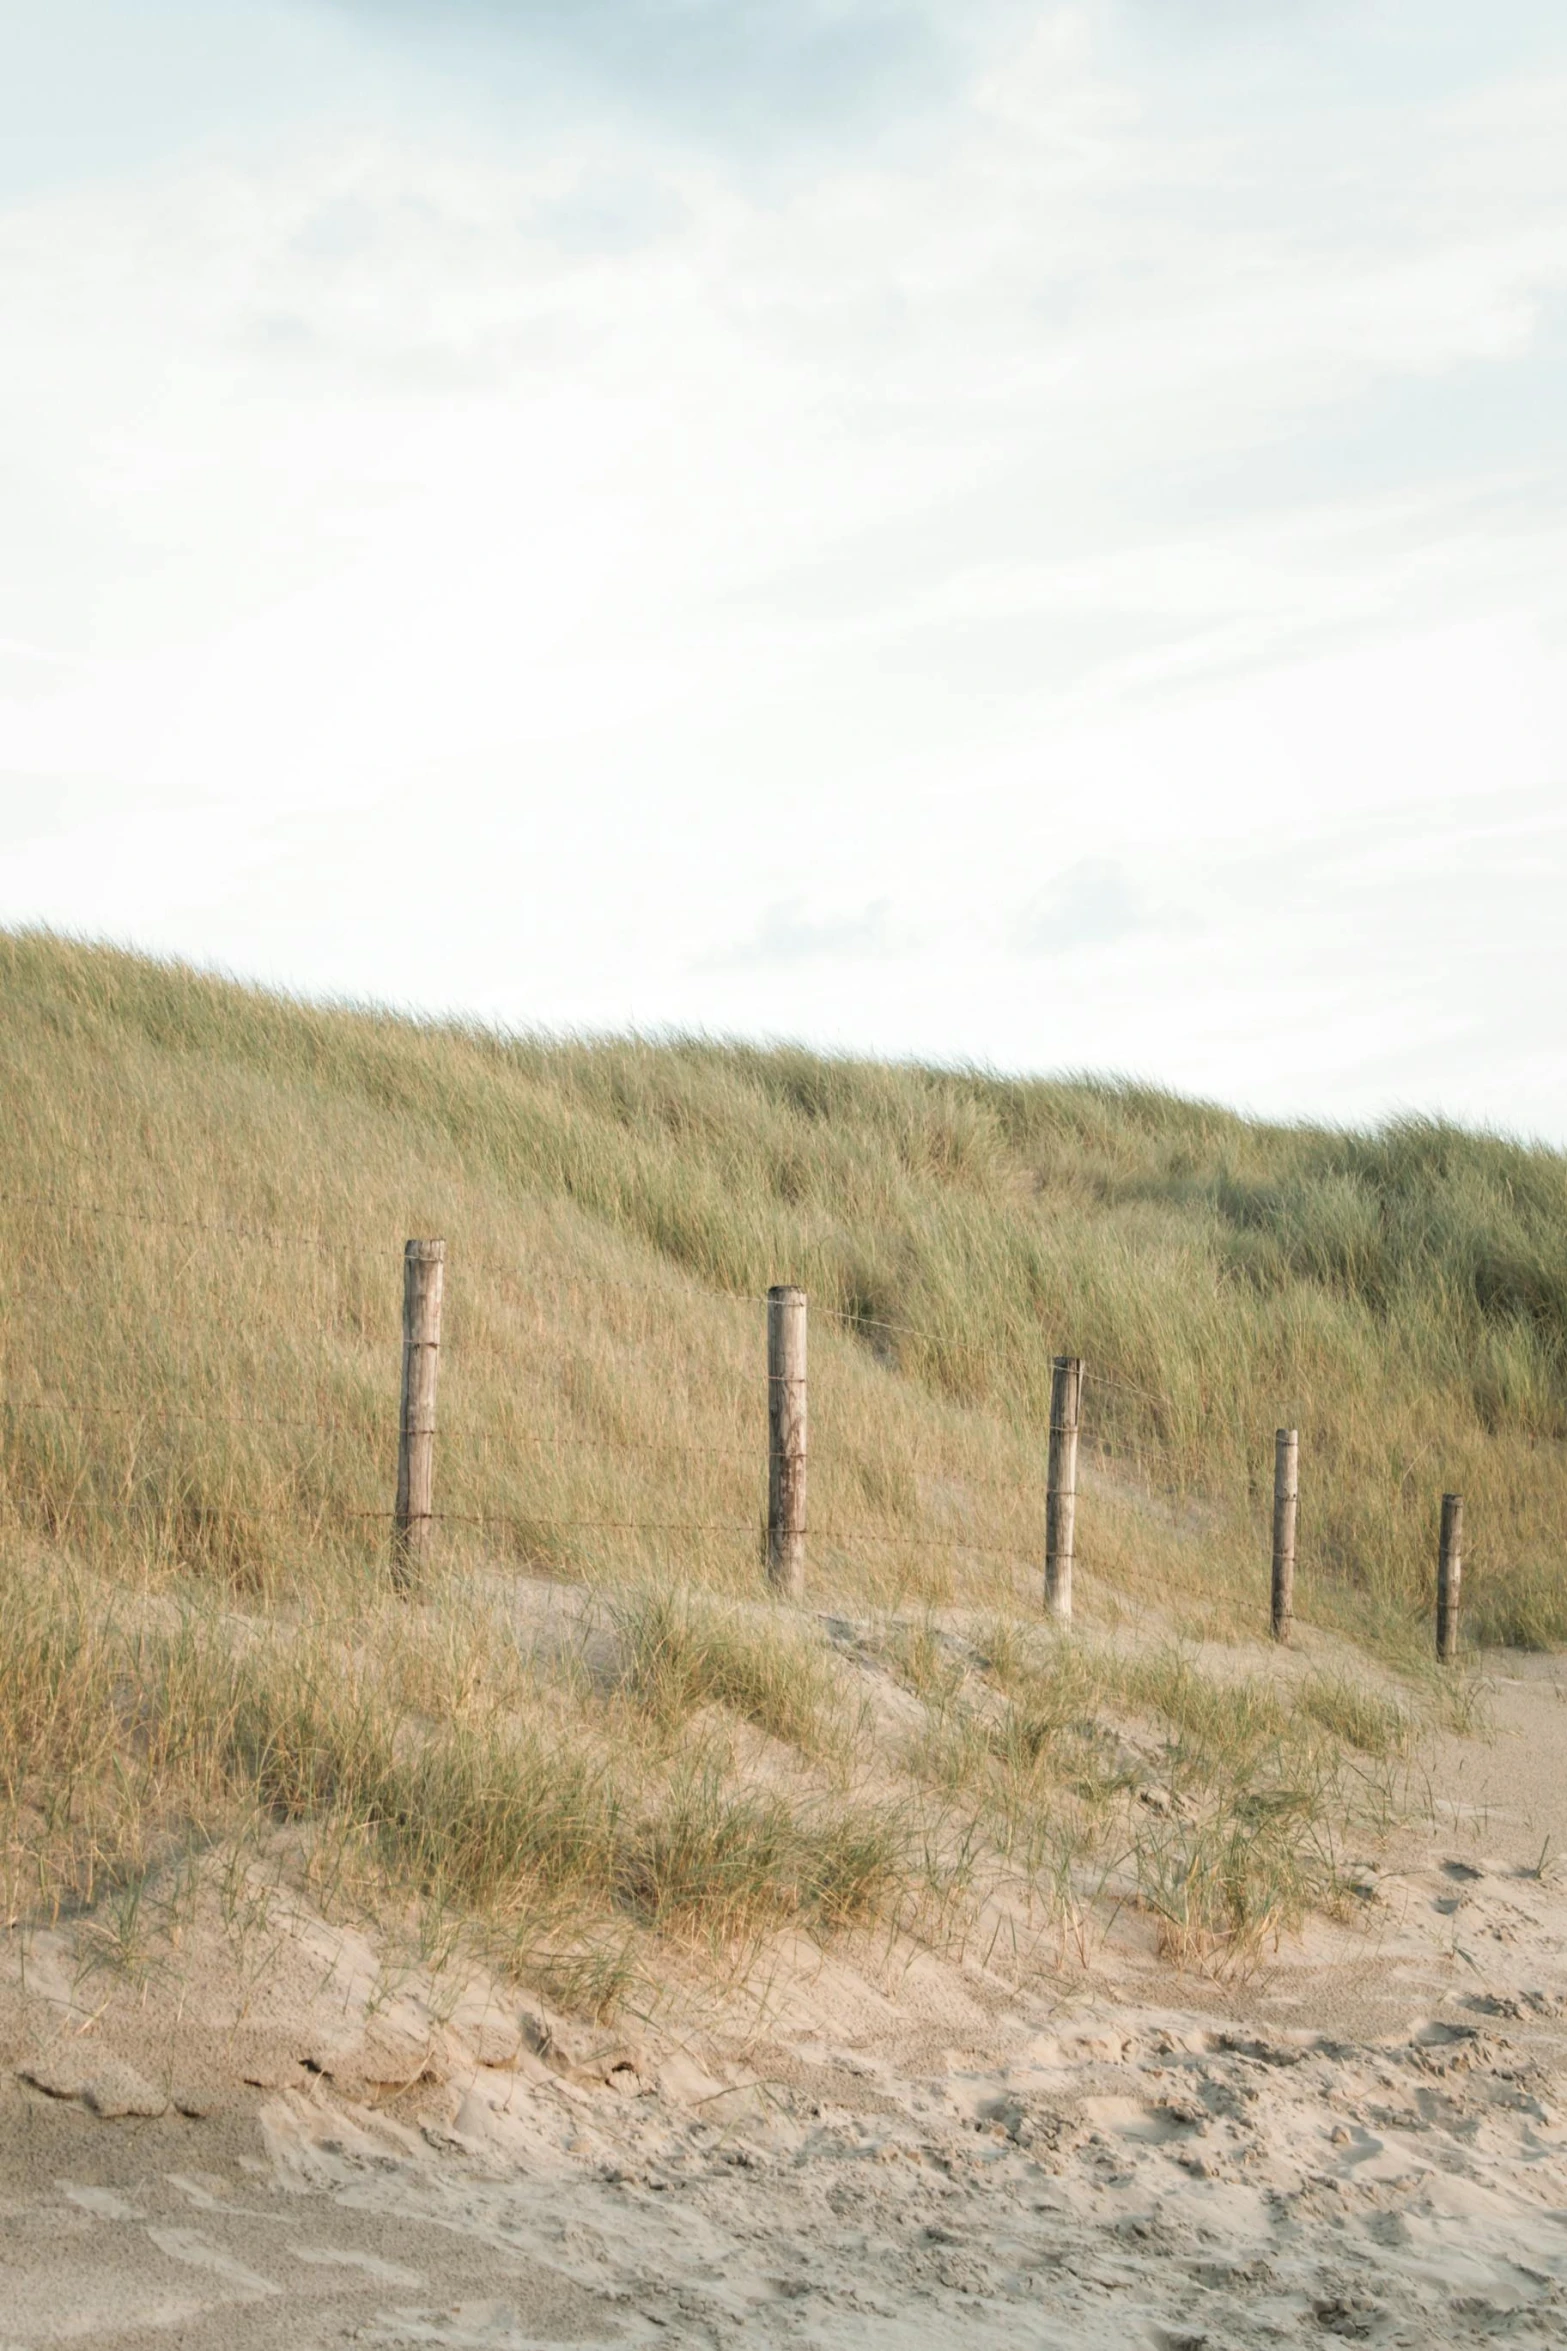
1363,2139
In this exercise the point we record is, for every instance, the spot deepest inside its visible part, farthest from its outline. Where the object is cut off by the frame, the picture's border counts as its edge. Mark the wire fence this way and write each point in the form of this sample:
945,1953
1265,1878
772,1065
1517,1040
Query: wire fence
369,1427
1025,1495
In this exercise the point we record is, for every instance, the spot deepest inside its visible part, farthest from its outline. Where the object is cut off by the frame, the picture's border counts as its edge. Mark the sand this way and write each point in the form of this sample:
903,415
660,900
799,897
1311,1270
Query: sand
1367,2139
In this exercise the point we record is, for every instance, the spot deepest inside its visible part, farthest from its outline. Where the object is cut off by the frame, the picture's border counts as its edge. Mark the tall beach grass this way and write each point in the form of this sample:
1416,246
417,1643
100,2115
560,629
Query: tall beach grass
204,1193
211,1391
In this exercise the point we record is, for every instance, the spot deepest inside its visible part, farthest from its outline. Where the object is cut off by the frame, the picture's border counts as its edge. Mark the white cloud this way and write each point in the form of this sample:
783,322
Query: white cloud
735,581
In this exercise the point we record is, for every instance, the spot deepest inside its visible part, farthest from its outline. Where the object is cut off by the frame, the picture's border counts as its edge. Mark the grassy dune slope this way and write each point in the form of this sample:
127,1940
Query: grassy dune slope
204,1193
1402,1296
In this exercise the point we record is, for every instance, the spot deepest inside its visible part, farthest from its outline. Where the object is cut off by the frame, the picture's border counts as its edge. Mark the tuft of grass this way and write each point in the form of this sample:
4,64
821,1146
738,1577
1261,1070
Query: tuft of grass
1217,1806
1218,1726
681,1653
733,1863
1359,1717
1226,1884
925,1660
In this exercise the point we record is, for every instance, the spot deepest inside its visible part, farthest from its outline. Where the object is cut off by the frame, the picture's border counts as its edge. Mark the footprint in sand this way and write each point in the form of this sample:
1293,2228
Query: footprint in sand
469,2326
207,2199
185,2245
1131,2118
384,2273
101,2201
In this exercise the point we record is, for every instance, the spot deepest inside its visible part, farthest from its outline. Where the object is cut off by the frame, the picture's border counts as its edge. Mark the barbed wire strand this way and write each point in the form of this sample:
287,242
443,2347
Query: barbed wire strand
335,1430
207,1420
68,1408
200,1514
184,1224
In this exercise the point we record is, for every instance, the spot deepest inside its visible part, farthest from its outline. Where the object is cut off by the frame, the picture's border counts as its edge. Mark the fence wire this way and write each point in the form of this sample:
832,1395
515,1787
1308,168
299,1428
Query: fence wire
552,1291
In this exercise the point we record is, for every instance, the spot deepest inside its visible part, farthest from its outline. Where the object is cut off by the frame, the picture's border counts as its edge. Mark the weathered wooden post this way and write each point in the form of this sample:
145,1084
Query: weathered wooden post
1286,1494
1066,1385
424,1269
786,1440
1449,1577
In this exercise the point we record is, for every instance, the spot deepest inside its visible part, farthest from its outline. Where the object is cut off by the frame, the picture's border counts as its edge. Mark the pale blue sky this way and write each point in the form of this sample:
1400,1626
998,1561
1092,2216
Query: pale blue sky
1020,533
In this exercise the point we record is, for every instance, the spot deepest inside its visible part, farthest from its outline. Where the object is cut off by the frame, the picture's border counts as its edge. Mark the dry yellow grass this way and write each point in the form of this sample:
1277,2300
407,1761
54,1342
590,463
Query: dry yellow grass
204,1393
204,1193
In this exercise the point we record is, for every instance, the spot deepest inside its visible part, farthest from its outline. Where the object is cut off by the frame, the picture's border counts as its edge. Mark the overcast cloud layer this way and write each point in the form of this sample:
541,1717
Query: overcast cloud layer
1026,534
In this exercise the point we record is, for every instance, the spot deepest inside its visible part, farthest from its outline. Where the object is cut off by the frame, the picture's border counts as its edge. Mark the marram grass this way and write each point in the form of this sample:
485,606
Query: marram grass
211,1392
204,1192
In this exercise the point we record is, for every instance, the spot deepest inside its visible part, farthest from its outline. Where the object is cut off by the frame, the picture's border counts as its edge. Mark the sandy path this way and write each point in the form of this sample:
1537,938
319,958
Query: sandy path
1366,2141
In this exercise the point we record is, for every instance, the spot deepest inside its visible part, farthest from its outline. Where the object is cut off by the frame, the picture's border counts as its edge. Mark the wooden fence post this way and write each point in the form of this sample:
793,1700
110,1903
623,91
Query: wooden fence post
1066,1384
1286,1494
1449,1577
786,1440
424,1268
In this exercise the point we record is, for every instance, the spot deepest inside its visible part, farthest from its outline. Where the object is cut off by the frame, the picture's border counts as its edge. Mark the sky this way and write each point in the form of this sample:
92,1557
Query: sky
1017,534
